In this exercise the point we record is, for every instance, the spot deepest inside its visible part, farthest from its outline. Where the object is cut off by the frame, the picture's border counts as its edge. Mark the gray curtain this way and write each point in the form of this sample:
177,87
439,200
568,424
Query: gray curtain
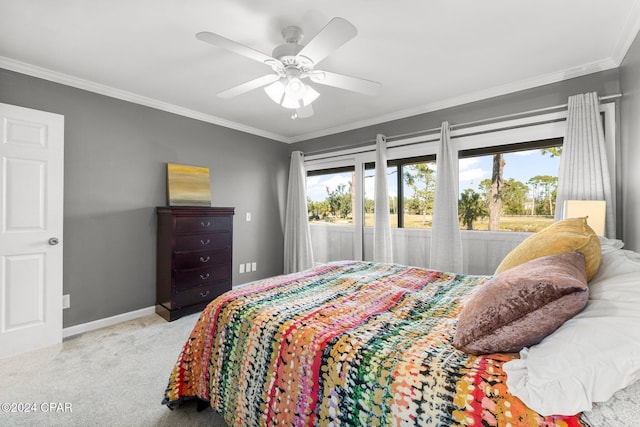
584,171
382,248
446,245
298,254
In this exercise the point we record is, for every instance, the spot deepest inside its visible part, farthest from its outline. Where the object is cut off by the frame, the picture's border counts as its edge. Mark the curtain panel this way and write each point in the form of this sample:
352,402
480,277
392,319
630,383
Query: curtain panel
382,247
446,244
584,172
298,254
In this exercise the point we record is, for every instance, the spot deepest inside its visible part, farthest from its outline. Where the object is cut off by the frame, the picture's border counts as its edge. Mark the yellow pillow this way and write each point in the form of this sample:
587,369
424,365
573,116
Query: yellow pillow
568,235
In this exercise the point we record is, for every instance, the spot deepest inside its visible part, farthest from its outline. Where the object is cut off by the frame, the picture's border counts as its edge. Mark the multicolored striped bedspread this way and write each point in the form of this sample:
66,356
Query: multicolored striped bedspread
346,344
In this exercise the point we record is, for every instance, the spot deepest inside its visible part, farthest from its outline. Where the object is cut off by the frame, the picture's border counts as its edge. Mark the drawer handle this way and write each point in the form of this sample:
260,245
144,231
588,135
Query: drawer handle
205,242
205,224
204,276
204,294
205,259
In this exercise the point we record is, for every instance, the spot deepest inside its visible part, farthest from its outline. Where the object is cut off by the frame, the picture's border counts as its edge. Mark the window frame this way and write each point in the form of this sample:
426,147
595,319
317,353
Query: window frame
506,150
330,171
399,164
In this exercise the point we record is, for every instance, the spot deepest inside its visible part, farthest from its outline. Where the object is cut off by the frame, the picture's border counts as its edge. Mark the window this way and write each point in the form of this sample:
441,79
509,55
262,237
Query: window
528,173
509,188
411,186
528,201
369,194
330,196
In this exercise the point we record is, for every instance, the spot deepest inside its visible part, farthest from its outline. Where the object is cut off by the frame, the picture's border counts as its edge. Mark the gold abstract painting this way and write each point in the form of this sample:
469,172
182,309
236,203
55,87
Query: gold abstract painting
188,185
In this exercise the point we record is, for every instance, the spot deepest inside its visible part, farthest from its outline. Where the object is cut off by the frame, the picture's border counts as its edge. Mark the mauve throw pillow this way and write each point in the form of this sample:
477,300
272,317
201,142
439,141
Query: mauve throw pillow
522,305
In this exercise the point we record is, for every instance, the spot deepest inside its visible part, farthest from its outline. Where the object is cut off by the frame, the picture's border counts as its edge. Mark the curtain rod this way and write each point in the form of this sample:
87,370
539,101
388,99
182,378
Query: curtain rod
454,126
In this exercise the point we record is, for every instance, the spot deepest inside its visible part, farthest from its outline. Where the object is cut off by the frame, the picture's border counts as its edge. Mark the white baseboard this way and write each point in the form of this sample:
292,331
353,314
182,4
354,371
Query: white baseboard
107,321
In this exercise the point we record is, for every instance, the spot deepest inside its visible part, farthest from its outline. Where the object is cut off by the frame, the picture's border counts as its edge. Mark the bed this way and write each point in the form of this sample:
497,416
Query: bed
361,343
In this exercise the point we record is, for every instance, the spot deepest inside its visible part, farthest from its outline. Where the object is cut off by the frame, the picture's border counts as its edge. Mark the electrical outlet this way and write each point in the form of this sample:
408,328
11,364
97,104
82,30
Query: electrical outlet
248,217
248,267
241,268
66,301
254,266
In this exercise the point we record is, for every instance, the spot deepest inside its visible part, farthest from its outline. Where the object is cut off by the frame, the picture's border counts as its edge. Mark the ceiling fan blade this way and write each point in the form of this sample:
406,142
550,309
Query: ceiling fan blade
250,85
235,47
355,84
304,112
336,33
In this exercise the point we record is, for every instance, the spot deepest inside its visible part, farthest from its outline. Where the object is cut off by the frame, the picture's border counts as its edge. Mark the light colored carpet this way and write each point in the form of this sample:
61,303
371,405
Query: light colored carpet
114,376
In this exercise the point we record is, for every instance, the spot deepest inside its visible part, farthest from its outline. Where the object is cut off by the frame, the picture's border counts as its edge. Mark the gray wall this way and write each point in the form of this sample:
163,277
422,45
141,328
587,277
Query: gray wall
115,174
630,126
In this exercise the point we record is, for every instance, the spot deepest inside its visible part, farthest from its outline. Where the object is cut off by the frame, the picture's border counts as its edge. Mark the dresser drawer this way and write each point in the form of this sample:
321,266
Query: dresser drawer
201,293
201,259
203,224
189,242
192,278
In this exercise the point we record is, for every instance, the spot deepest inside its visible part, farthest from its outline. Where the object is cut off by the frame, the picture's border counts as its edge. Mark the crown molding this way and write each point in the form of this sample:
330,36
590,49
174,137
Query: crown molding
69,80
542,80
628,34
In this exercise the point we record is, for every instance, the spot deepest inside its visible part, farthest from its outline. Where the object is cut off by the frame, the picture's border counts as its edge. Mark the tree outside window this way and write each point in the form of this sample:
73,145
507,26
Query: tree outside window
330,196
517,186
411,187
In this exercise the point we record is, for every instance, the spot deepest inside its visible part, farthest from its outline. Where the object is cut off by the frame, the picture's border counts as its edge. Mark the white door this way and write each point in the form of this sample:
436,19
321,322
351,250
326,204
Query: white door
31,191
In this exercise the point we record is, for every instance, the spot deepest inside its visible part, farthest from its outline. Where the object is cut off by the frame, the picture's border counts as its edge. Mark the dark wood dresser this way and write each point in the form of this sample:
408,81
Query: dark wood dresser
193,258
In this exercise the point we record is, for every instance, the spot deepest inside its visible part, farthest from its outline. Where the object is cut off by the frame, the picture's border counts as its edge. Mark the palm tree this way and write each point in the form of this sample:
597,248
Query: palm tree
497,184
470,208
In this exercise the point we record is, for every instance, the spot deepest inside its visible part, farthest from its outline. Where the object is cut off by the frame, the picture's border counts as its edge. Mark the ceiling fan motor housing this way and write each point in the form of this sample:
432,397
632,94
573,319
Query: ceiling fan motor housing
287,53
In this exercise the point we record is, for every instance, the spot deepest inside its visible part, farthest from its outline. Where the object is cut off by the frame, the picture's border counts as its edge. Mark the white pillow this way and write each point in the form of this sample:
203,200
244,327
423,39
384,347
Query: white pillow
592,355
608,245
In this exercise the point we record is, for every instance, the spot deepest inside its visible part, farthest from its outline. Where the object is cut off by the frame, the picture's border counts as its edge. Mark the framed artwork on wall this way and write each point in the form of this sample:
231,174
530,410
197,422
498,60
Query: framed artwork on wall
188,185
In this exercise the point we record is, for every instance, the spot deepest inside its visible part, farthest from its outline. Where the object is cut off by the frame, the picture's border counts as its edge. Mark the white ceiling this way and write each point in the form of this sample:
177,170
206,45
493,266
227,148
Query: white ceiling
427,54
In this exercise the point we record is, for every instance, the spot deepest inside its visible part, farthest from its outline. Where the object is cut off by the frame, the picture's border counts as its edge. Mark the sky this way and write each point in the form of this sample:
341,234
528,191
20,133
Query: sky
520,166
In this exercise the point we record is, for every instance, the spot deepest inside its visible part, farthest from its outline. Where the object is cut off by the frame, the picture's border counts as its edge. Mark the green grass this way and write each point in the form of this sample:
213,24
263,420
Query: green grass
517,223
507,223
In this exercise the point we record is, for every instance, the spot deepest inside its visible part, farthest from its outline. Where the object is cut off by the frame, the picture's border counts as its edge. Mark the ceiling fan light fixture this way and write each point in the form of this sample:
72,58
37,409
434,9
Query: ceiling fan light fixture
291,103
295,88
276,92
310,95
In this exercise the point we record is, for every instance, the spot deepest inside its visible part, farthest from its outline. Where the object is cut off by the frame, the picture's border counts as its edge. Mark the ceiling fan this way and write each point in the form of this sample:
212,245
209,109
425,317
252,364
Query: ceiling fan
292,63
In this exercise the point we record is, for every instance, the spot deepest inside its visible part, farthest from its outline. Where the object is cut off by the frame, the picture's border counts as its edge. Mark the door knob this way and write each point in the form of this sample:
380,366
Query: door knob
54,241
